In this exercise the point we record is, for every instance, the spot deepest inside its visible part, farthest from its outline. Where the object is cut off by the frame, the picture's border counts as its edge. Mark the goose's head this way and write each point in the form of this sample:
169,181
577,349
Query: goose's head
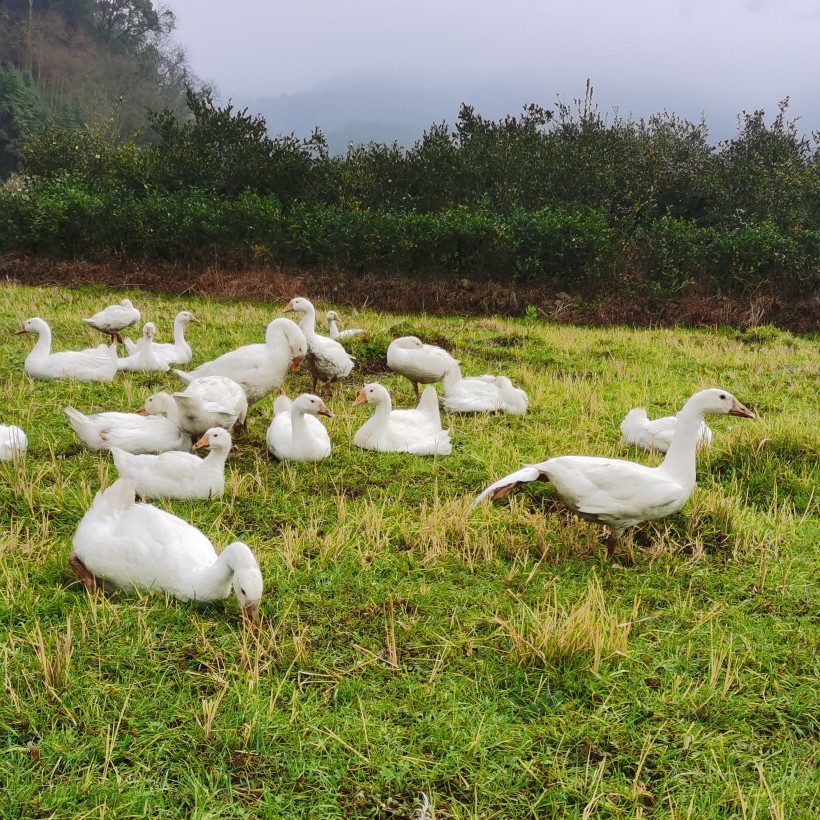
127,303
719,402
408,343
185,317
149,330
299,305
373,393
283,331
332,316
308,403
215,439
159,403
33,325
247,580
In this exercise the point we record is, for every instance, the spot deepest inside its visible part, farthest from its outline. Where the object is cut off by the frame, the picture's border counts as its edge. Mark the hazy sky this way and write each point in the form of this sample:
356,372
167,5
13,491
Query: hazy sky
685,56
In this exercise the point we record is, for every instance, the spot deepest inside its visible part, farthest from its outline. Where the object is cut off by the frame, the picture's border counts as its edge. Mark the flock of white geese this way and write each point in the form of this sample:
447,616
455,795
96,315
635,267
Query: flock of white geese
124,544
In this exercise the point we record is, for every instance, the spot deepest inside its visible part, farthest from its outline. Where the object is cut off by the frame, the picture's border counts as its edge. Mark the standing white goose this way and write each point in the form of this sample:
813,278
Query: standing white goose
13,442
136,546
144,359
620,493
295,434
258,368
333,322
134,432
96,364
178,352
212,401
637,429
417,431
175,474
421,363
114,318
326,360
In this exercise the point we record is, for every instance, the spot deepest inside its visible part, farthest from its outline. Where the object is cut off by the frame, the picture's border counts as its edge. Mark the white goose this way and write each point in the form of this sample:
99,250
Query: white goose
481,394
136,546
144,359
133,432
259,368
637,429
178,352
620,493
421,363
174,474
96,364
295,433
326,360
417,431
13,442
114,318
212,401
333,322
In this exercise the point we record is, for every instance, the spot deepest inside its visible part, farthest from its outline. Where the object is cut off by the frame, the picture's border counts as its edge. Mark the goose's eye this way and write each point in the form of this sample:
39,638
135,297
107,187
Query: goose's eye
723,397
242,590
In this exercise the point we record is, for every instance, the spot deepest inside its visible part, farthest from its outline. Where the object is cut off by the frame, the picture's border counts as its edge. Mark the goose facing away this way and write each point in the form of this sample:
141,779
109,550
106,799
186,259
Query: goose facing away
136,546
419,362
295,433
176,352
96,364
145,431
417,431
618,493
333,324
144,359
114,318
481,394
326,360
258,368
637,429
13,442
211,401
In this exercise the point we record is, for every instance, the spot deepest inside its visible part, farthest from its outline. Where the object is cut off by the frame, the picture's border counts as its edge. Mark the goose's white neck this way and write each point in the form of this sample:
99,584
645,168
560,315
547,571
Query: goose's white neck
217,456
308,320
299,428
179,332
452,377
681,458
213,583
332,329
42,347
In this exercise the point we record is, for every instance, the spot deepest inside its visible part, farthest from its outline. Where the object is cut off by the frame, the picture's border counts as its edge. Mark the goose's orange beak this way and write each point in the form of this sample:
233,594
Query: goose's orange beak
296,361
324,410
20,330
288,307
360,399
203,442
739,410
141,411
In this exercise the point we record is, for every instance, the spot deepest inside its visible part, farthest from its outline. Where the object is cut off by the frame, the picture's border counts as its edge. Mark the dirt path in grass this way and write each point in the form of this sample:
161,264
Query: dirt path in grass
453,296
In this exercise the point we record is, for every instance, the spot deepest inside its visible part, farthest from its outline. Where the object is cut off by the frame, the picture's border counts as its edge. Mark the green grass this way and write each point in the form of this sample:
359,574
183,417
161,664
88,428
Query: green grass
492,660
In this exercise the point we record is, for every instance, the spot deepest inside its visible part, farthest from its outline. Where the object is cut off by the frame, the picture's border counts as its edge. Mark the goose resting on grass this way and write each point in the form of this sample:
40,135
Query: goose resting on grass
175,474
332,318
95,364
136,546
481,394
145,431
421,363
416,431
114,318
295,433
176,352
144,359
637,429
620,493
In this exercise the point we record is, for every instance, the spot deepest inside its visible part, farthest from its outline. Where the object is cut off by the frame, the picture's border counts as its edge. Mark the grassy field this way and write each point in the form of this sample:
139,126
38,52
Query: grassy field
492,660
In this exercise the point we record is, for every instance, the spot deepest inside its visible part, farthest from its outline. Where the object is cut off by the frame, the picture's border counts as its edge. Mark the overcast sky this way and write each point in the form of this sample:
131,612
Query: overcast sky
689,57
